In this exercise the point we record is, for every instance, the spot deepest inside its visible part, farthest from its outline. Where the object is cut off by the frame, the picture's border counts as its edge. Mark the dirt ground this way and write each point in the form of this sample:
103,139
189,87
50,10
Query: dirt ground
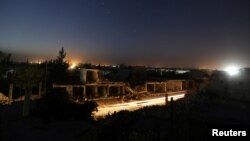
14,127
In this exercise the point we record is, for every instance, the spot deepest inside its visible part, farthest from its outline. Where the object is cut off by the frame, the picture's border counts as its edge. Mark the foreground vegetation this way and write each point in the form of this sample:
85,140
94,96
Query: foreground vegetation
54,117
191,118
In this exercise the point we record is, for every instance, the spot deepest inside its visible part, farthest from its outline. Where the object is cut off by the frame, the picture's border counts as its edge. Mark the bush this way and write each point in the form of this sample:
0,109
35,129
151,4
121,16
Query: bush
57,105
83,111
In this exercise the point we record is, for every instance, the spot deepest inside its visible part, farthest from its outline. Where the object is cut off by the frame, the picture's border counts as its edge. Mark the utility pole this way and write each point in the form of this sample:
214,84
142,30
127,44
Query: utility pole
45,83
172,119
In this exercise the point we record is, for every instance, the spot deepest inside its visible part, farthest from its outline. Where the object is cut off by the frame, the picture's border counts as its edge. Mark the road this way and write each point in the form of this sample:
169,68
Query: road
130,106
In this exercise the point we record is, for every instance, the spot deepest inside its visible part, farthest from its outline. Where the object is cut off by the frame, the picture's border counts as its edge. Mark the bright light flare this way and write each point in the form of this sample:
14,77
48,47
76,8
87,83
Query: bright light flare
232,70
72,66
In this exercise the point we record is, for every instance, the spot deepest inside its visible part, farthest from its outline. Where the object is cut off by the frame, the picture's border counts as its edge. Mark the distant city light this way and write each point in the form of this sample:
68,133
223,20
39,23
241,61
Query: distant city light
72,66
232,70
182,71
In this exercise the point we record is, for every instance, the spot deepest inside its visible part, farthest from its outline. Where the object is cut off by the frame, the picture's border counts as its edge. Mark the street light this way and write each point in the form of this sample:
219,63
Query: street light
232,70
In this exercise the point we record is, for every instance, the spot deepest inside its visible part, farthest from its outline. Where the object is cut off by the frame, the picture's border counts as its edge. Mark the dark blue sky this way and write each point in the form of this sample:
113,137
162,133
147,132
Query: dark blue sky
182,33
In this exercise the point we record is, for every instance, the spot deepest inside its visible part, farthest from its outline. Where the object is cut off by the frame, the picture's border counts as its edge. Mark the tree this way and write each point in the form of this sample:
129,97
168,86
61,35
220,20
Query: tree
61,57
5,62
58,68
137,76
27,76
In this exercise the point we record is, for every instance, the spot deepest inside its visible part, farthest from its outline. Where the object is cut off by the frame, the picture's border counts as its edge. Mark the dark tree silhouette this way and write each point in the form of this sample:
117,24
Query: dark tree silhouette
5,62
57,70
27,76
61,57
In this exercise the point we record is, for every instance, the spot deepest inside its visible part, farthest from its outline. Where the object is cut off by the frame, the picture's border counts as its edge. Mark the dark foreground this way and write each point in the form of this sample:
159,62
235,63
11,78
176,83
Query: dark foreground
187,119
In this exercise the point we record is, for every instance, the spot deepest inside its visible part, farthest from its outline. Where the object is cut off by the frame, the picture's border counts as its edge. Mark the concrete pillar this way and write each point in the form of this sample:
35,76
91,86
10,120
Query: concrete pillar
10,93
84,92
83,76
154,88
96,76
69,89
181,85
119,90
146,87
40,90
96,91
175,86
165,87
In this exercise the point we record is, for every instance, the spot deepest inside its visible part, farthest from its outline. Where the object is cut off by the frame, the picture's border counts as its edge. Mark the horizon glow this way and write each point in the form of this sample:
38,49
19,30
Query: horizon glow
232,70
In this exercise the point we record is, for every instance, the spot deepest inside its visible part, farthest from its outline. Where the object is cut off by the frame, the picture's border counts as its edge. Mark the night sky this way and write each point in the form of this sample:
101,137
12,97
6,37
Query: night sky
171,33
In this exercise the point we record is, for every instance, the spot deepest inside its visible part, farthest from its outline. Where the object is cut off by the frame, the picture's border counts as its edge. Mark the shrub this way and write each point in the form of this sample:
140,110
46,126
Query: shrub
57,105
83,111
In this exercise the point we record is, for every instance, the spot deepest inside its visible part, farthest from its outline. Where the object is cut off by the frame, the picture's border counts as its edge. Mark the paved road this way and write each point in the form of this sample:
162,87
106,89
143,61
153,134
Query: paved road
110,109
